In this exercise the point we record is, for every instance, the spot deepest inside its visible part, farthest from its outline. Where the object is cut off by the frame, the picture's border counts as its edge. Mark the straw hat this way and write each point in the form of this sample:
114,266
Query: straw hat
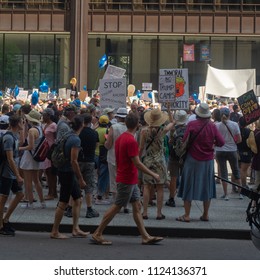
180,117
155,117
34,116
203,111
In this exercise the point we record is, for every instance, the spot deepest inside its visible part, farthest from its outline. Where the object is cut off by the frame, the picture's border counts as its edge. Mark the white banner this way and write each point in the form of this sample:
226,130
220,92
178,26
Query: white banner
229,83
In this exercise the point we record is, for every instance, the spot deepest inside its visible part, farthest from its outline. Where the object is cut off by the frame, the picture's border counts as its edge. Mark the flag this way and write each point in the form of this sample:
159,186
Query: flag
229,83
188,52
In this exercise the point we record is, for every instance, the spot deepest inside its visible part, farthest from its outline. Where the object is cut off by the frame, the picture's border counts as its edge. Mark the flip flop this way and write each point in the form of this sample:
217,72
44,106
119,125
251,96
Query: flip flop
203,219
154,240
81,234
182,219
97,241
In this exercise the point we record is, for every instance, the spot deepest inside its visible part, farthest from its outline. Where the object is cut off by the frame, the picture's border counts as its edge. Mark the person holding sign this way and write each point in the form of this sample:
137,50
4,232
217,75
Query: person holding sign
151,144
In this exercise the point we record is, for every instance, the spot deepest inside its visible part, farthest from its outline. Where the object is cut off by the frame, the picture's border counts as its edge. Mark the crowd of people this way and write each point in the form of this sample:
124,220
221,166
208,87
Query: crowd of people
121,157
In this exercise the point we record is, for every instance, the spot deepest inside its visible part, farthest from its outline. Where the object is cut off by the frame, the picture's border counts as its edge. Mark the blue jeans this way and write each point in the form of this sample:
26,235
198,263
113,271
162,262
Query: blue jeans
103,178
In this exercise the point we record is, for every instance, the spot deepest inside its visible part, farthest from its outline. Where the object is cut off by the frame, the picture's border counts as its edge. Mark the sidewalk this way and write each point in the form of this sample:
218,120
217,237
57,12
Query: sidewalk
227,219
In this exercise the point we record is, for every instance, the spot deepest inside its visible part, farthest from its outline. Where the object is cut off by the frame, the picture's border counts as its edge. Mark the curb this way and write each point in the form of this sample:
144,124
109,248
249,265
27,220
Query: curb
165,232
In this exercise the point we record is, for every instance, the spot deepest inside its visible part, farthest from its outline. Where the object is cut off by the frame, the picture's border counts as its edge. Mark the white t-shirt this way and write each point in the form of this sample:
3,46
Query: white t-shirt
230,145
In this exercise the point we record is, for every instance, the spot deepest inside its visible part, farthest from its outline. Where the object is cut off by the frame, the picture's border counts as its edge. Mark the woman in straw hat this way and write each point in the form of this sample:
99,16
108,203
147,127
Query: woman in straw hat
151,145
29,166
197,178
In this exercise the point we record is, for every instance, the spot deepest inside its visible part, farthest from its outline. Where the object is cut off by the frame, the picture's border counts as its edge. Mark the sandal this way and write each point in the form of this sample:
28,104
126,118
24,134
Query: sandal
100,241
160,217
204,219
145,217
182,219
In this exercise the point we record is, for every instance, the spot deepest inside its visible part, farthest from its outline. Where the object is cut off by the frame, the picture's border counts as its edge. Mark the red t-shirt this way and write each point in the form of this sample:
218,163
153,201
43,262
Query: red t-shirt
126,147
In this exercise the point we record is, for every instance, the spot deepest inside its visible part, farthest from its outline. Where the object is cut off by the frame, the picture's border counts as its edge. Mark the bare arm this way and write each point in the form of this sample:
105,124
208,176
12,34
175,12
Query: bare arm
33,134
136,161
11,162
75,166
109,143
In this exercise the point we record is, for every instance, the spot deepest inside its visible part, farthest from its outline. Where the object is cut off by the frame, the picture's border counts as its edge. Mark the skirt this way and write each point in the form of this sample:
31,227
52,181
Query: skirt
197,180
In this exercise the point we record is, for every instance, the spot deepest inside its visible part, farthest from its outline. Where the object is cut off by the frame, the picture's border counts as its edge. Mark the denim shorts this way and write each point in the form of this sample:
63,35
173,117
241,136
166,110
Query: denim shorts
87,170
222,159
7,185
126,193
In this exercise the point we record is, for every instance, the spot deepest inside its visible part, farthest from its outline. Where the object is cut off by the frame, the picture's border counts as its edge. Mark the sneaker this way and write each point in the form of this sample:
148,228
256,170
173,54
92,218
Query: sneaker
234,189
8,227
170,202
6,232
102,202
241,196
68,212
225,197
92,214
29,206
43,205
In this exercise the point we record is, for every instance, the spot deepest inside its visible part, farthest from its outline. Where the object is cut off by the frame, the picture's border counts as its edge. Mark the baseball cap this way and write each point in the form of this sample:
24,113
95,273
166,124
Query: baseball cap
103,119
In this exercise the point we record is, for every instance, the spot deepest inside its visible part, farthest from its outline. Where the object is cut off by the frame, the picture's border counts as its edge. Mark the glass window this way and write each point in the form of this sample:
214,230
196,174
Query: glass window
223,52
96,49
145,62
41,60
1,62
197,68
15,67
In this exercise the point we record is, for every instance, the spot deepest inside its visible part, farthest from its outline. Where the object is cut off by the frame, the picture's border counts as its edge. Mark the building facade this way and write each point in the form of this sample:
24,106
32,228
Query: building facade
54,40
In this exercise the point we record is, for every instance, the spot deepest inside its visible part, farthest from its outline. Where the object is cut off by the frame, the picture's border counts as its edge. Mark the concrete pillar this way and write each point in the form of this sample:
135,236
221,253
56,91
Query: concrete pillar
79,42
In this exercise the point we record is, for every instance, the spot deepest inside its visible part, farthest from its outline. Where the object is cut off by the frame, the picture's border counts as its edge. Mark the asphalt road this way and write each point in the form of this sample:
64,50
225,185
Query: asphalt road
38,246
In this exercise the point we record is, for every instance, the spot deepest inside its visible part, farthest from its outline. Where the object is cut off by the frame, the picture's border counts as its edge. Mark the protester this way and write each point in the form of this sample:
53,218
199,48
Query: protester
174,167
151,144
127,160
89,140
101,161
244,152
71,181
114,132
197,180
228,152
29,166
10,179
49,130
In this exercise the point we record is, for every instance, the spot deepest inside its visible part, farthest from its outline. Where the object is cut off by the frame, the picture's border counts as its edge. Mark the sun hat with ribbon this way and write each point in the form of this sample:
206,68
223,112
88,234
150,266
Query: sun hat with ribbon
34,116
203,111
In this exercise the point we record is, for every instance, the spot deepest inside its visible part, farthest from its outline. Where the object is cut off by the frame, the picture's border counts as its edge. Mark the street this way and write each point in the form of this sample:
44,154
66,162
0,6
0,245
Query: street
38,246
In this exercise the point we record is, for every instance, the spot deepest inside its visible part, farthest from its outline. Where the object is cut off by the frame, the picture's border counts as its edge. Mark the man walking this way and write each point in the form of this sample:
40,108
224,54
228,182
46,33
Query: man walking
10,178
127,160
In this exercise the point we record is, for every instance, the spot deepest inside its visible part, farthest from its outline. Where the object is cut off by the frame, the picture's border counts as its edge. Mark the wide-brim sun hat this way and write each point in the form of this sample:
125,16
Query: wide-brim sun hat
121,113
180,117
108,110
203,111
34,116
155,117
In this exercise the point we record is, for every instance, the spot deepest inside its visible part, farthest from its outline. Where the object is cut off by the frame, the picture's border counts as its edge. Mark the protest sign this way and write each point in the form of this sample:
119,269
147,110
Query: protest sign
82,95
22,96
114,72
147,86
62,93
43,95
174,88
113,92
249,106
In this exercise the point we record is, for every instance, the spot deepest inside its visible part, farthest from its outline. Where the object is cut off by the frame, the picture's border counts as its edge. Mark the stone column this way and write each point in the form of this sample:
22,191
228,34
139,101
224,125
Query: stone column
79,42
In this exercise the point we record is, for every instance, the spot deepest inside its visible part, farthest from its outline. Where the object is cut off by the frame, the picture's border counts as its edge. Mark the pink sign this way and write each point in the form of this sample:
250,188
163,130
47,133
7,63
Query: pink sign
188,52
